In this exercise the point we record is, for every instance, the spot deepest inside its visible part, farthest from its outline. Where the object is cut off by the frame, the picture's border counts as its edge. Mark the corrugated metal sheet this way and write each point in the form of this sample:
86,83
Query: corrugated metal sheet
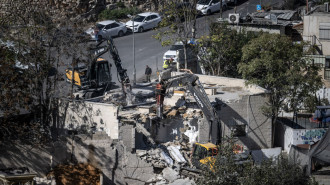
286,16
260,14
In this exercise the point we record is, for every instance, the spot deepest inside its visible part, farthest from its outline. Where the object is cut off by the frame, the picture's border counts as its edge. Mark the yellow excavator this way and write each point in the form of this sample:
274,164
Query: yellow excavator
203,154
95,79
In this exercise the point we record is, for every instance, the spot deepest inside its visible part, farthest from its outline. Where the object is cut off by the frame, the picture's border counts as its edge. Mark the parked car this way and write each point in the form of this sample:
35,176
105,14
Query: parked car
207,7
108,28
172,52
176,53
144,21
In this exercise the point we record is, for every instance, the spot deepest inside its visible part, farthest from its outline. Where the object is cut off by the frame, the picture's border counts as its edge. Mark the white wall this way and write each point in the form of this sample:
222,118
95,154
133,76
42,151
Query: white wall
79,114
311,27
301,136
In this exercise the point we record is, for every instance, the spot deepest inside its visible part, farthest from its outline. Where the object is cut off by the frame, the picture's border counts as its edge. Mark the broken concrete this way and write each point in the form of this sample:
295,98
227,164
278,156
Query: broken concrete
170,175
175,154
185,181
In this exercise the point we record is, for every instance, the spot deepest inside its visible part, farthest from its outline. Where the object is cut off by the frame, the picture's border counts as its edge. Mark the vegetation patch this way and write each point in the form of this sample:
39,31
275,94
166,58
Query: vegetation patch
120,13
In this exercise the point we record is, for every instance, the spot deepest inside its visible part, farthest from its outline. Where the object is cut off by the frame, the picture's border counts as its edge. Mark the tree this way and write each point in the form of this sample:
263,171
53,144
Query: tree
277,64
180,20
227,168
31,47
221,51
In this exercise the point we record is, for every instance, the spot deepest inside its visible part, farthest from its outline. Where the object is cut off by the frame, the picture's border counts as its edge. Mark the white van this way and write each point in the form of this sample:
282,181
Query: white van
207,7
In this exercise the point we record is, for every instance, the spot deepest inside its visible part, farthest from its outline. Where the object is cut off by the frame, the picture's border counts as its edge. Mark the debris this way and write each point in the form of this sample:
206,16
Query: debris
166,158
140,128
172,113
185,181
170,175
20,175
178,93
175,154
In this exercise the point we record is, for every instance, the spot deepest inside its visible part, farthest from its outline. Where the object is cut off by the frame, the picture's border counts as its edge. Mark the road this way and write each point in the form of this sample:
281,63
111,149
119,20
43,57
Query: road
149,50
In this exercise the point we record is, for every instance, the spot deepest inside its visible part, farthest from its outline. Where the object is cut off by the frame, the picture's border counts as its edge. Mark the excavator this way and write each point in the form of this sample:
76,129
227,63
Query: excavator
93,80
202,153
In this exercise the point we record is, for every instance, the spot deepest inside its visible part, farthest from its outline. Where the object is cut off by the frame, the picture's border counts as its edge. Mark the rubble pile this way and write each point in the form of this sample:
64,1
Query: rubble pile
169,158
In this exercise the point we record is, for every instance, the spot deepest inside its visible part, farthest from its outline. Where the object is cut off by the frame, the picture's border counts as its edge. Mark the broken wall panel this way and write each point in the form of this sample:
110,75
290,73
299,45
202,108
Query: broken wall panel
86,116
169,129
127,135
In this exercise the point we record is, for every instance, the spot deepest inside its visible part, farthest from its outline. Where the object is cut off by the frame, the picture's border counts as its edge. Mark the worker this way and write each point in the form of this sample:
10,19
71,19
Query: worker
148,73
167,63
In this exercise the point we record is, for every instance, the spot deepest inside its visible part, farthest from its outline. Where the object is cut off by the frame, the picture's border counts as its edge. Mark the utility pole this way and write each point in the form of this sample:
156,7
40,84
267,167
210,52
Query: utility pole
134,72
221,9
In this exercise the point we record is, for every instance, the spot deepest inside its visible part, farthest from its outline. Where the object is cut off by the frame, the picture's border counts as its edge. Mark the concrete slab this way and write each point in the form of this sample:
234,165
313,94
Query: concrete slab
167,158
170,175
183,182
135,168
176,154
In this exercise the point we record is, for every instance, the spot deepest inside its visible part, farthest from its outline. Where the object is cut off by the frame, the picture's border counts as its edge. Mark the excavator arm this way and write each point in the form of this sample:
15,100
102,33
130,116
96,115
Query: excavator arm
196,89
110,47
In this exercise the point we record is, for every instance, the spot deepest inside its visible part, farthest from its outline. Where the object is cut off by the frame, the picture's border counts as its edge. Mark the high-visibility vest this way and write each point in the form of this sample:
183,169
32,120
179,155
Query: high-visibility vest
165,64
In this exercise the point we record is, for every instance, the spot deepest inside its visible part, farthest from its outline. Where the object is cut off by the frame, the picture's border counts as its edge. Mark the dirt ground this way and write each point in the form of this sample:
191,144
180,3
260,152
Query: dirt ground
80,174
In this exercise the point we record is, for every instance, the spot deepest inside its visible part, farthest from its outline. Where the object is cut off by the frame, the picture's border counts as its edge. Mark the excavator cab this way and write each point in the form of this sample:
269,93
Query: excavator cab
100,74
94,77
203,154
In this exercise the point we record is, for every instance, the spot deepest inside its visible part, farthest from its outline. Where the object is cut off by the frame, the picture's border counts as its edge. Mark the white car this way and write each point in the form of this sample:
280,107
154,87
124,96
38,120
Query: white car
207,7
144,21
172,52
108,28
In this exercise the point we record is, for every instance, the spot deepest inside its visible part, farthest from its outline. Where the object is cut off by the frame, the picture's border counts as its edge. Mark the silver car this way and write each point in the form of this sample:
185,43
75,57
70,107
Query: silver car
107,28
144,21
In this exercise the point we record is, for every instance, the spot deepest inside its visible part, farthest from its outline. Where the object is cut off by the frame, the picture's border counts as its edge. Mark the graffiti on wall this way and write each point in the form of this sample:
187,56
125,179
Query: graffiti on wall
311,136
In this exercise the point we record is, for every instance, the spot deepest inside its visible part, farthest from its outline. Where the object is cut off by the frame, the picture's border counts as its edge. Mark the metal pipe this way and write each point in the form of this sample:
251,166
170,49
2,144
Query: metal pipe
134,71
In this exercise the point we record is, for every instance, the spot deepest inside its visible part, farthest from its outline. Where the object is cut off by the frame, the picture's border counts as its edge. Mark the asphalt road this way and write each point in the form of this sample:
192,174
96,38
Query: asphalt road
149,50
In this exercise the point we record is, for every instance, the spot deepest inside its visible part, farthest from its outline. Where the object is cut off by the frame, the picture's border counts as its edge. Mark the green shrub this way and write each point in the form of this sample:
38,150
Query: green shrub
120,5
117,13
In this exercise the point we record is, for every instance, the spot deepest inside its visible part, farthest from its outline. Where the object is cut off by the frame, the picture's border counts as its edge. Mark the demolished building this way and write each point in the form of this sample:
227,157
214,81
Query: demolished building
238,106
130,144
